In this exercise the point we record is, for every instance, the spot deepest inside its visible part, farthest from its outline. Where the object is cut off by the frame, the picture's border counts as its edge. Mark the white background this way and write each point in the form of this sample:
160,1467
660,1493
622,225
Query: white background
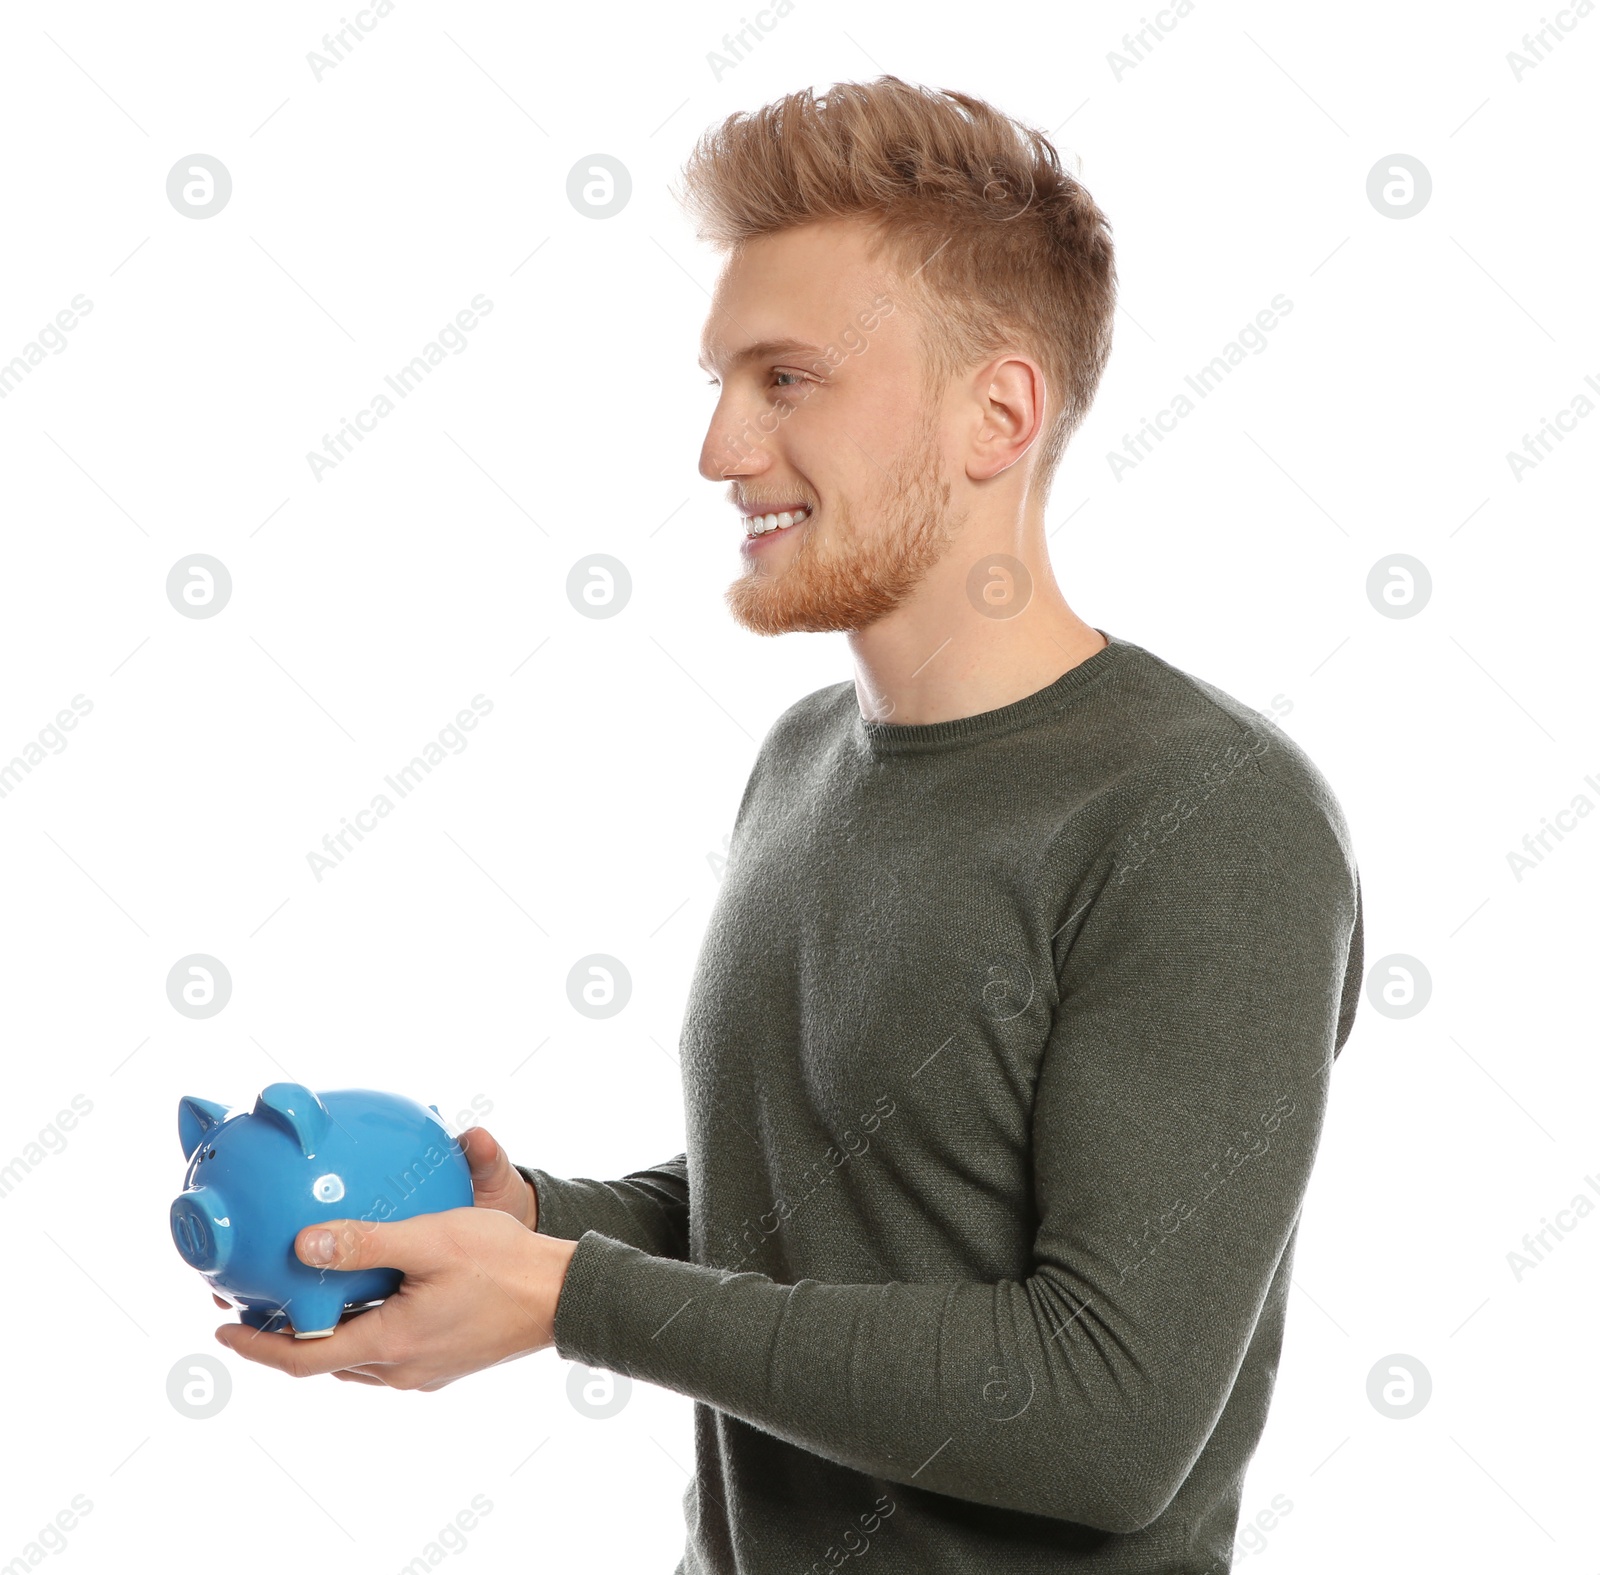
371,605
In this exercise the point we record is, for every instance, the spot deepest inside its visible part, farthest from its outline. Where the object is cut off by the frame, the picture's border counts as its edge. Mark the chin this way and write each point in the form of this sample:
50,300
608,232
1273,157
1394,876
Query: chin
770,620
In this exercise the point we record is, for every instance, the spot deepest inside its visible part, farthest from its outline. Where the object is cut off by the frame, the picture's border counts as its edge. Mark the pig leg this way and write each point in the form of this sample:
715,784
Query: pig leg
315,1313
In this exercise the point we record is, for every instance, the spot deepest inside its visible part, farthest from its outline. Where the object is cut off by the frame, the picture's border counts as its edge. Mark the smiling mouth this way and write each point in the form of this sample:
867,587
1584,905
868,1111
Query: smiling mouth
759,526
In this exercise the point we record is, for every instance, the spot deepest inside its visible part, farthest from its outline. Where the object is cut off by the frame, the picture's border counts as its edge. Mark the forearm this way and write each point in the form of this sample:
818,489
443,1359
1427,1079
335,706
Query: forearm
1018,1394
648,1209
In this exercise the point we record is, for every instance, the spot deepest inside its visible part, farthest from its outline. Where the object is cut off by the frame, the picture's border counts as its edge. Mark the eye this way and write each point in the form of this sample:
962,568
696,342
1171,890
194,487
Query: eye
779,372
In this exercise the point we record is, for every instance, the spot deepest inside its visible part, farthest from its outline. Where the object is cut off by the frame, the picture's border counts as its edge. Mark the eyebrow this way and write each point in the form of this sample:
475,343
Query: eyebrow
763,348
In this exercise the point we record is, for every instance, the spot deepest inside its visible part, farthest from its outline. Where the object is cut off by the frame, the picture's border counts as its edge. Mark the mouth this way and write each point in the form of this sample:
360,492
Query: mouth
761,528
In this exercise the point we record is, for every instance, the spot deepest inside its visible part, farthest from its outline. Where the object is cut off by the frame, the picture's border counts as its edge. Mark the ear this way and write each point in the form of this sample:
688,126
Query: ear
295,1108
1010,391
196,1117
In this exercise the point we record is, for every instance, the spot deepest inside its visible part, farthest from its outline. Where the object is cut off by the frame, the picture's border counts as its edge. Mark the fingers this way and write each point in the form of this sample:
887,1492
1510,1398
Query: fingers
411,1245
219,1301
350,1345
350,1376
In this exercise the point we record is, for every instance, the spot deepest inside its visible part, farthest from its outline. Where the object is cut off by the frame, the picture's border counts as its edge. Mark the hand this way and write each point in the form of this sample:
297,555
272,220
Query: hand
479,1288
496,1182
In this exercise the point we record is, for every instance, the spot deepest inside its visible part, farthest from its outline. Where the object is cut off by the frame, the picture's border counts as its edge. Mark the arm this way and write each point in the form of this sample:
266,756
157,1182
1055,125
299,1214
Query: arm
648,1209
1175,1120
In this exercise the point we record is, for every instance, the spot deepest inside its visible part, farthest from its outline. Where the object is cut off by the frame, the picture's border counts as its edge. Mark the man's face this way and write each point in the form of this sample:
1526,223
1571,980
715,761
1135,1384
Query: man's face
830,415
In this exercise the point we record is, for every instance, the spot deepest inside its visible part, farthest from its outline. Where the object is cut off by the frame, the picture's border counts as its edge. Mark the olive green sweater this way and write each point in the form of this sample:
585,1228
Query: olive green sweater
1005,1065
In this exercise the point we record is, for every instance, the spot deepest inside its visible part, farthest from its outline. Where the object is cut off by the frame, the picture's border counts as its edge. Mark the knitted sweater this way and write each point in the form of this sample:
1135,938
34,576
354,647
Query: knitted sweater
1005,1065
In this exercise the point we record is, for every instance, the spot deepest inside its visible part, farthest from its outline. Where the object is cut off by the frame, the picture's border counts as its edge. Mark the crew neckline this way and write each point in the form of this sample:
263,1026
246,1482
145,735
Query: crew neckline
885,738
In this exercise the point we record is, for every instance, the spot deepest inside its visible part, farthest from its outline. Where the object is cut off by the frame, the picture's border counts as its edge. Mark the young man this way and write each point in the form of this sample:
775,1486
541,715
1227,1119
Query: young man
1008,1048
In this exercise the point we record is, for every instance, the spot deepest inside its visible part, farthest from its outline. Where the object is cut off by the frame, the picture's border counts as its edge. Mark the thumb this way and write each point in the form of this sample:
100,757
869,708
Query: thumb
411,1245
496,1182
484,1154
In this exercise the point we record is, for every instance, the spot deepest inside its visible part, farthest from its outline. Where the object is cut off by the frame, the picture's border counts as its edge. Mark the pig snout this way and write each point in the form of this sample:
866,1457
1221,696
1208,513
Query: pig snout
201,1229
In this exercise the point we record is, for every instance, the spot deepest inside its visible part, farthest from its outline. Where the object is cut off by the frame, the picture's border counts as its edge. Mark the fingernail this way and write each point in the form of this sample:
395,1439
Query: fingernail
319,1246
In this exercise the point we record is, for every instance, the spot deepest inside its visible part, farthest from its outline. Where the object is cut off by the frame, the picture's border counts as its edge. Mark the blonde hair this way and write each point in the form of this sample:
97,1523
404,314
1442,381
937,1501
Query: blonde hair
1000,245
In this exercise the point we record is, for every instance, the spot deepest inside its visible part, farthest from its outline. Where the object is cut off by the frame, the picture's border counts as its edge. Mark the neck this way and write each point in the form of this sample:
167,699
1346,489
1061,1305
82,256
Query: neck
937,657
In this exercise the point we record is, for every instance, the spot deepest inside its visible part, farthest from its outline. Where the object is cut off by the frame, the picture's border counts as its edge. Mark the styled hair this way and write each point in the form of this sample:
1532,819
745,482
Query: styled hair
1002,247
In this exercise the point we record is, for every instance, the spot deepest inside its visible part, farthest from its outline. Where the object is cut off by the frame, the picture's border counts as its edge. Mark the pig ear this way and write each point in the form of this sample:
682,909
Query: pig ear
294,1107
196,1117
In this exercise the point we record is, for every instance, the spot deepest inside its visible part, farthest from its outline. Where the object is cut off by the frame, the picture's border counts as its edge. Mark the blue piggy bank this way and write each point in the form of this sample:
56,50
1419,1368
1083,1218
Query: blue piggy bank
256,1179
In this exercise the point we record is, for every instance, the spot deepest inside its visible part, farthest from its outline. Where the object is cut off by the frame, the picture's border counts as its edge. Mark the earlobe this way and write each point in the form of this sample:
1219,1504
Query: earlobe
998,452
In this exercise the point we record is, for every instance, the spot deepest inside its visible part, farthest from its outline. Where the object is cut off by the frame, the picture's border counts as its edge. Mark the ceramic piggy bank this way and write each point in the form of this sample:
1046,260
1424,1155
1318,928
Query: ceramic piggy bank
257,1178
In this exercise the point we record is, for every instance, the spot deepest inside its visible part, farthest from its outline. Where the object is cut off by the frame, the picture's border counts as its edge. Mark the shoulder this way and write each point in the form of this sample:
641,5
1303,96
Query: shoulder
798,745
811,721
1193,745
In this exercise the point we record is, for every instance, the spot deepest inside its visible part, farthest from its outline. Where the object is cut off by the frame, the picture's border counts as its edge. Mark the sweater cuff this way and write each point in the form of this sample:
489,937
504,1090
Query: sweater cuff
616,1299
555,1216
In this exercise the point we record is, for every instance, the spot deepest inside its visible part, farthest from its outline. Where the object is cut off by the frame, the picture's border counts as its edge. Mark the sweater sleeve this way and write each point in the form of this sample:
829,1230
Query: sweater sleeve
1176,1115
648,1209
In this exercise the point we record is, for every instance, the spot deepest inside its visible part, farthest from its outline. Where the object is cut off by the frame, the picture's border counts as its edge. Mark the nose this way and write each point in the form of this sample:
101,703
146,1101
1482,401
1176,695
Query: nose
735,445
201,1229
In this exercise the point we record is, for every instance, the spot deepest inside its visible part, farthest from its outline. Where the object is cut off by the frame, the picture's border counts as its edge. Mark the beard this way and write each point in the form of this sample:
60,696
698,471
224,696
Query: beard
842,575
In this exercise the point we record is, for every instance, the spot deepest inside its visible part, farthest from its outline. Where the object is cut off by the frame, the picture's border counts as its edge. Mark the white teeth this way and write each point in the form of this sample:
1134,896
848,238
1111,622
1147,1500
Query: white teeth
761,524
